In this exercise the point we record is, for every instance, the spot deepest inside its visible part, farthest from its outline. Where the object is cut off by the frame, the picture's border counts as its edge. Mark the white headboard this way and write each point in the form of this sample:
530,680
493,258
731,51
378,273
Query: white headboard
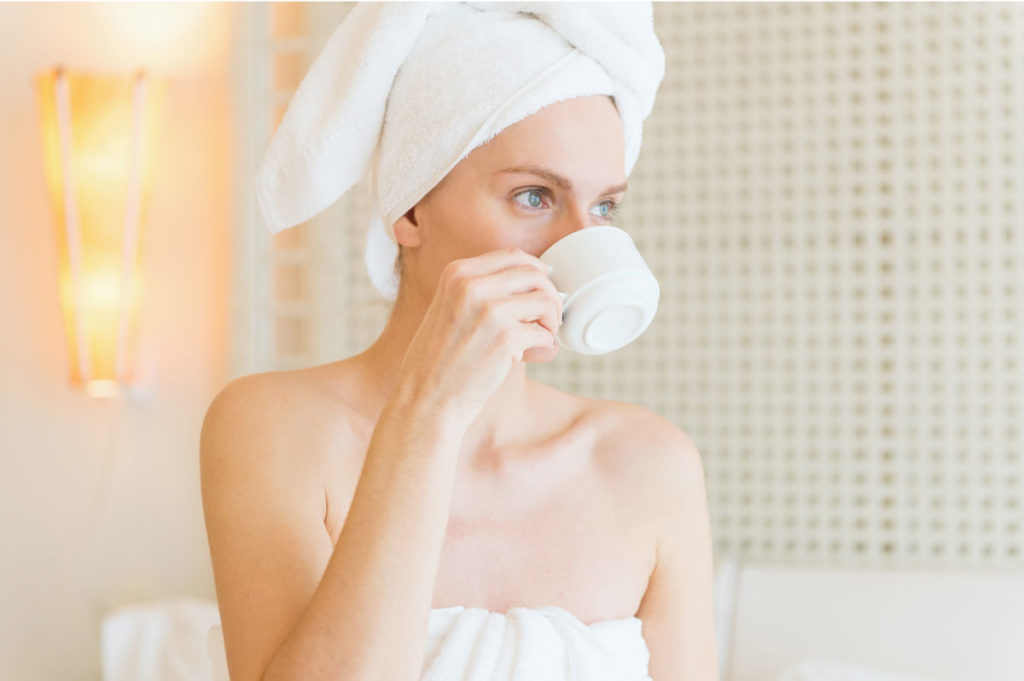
952,626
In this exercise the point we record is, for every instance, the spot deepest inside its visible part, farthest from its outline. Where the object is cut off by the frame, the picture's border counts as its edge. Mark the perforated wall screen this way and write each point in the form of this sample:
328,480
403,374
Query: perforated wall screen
832,198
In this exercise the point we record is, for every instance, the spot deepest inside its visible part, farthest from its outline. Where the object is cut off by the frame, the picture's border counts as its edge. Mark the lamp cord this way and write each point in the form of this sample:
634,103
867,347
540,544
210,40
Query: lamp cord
90,598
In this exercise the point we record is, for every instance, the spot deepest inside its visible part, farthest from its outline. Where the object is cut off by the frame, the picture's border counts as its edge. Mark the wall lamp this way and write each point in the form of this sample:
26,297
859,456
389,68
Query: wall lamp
98,134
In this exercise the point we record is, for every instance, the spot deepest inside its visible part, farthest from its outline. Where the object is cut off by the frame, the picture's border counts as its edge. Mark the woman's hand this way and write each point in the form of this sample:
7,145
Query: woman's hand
487,311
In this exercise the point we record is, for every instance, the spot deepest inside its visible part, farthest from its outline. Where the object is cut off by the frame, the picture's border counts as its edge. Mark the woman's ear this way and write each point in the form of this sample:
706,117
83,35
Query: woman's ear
407,229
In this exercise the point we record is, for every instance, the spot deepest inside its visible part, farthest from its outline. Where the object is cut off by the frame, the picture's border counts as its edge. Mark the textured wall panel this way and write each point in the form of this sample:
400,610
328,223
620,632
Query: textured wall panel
832,198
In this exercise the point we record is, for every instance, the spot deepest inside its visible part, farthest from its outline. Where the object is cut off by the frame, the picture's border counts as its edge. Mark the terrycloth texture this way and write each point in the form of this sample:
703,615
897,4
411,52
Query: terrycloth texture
525,644
405,90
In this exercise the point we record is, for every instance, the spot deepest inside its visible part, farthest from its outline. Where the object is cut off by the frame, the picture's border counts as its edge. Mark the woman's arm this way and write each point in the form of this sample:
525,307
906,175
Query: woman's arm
291,607
366,618
678,608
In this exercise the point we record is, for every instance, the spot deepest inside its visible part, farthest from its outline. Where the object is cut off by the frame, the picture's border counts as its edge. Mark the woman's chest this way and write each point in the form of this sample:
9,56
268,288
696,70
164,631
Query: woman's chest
561,527
584,553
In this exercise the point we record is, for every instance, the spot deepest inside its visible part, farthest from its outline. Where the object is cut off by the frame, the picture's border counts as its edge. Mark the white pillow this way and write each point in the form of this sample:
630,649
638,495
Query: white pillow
831,670
726,573
158,640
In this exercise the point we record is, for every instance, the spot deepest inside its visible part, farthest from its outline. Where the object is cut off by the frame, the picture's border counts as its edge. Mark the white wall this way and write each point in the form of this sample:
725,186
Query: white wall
55,443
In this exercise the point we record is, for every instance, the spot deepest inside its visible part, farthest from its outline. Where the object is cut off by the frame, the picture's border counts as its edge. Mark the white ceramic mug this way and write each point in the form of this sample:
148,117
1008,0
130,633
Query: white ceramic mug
609,294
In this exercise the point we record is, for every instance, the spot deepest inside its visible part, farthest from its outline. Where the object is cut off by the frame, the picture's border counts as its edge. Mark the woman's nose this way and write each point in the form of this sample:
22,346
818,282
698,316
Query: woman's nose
575,219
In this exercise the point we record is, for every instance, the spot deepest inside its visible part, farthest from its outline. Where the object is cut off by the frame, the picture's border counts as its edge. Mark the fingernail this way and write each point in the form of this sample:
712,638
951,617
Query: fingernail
550,270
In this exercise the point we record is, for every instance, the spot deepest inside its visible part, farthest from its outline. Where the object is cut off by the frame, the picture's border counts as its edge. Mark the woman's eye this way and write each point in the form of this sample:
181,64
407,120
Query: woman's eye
611,207
537,192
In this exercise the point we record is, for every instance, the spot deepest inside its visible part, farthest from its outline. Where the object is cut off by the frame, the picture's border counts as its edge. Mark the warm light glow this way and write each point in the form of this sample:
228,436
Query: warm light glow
158,32
98,136
102,388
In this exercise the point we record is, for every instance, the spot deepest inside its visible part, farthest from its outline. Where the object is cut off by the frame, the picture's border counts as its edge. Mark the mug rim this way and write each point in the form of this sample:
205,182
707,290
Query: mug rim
569,237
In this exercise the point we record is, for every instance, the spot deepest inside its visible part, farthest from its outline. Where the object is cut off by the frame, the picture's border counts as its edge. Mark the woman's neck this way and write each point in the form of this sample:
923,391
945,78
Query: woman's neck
506,419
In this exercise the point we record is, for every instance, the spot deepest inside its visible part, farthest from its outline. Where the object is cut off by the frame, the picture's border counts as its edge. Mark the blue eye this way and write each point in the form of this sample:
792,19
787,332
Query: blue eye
531,191
612,206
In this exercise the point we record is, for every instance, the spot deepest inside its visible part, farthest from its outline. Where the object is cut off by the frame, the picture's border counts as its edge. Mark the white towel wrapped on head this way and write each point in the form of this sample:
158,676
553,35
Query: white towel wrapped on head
405,90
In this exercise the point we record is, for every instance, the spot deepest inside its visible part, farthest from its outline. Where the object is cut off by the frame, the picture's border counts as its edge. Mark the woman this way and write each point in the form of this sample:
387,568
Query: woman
364,515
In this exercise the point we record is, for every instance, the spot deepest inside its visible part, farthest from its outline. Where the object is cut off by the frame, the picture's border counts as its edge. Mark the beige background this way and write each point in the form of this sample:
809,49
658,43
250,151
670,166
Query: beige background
145,537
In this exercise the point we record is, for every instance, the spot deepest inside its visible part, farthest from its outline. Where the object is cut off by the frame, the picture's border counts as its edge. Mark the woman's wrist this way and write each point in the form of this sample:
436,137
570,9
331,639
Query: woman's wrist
425,416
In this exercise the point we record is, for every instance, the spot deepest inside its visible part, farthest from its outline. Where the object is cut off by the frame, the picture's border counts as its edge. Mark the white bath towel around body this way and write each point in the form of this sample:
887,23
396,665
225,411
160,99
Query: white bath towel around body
525,644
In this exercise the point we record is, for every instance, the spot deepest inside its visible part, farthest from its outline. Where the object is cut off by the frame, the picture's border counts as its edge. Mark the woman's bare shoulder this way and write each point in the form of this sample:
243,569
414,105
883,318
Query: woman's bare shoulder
631,426
288,413
275,399
263,489
629,440
282,428
638,446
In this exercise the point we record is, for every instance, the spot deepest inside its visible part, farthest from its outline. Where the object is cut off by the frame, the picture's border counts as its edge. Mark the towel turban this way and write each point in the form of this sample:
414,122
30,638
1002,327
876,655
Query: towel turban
403,91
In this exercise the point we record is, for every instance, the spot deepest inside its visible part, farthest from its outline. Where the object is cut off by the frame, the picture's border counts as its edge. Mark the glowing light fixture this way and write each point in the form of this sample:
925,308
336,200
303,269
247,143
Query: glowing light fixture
98,134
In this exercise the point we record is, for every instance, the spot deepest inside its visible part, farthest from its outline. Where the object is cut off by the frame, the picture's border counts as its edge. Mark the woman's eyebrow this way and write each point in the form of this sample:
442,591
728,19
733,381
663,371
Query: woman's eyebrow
553,177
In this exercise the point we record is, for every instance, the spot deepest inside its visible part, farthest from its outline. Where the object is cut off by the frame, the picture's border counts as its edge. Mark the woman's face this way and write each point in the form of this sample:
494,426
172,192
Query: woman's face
490,200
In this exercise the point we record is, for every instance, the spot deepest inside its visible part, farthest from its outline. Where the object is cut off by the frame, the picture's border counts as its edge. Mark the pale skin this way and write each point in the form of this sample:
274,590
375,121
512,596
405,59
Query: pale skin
596,506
